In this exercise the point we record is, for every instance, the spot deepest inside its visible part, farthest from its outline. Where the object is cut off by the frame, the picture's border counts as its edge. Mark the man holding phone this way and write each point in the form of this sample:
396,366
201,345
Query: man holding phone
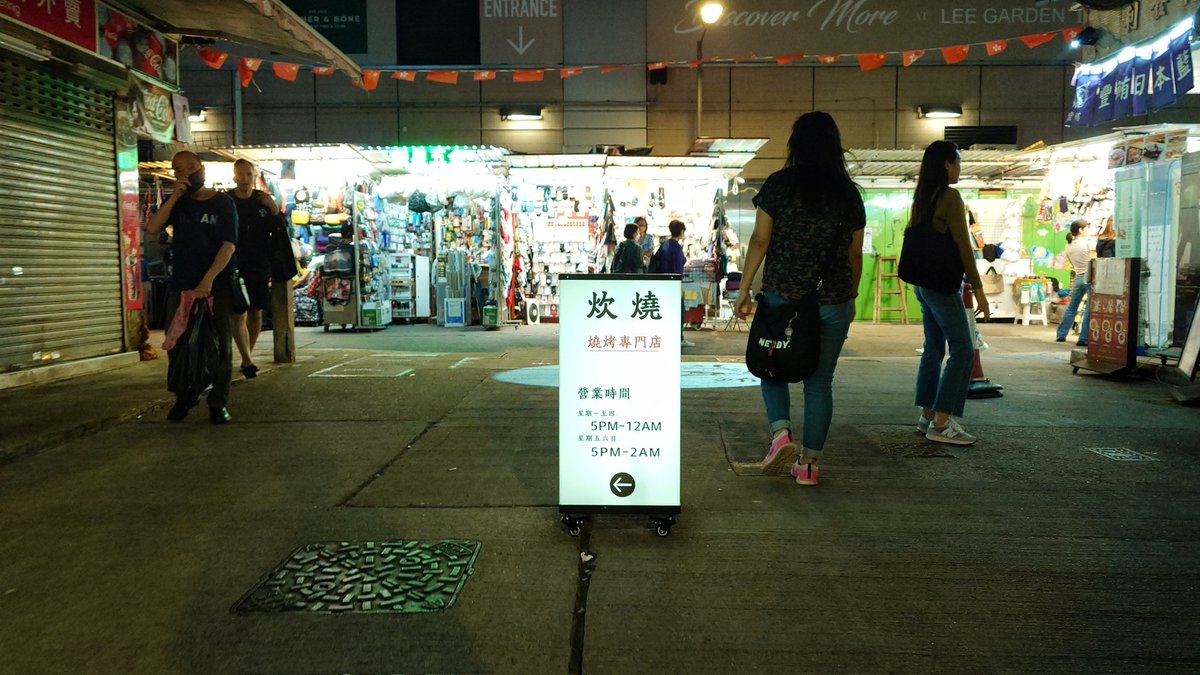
205,227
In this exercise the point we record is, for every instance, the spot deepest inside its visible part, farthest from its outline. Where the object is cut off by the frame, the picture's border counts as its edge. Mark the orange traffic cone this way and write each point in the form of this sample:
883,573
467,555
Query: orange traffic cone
980,386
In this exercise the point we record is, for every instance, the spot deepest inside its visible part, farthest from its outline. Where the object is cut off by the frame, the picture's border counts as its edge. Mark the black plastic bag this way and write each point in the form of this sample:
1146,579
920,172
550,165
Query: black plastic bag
195,355
785,342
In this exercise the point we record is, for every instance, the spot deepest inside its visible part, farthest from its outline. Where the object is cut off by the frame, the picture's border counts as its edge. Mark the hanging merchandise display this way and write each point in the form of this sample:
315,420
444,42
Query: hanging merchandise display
570,213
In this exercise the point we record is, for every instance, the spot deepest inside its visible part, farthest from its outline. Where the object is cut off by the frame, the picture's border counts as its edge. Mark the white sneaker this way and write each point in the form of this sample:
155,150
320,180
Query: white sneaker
684,342
952,433
923,424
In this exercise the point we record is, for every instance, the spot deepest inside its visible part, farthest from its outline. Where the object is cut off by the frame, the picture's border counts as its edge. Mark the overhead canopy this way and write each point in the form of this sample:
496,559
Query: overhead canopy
266,24
903,166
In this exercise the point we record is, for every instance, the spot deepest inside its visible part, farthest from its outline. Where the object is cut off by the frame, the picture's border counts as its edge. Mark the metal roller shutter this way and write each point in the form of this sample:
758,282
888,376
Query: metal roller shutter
60,268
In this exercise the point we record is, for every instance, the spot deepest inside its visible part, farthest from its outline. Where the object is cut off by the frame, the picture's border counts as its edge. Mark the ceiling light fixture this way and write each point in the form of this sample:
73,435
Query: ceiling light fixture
939,112
521,113
1087,36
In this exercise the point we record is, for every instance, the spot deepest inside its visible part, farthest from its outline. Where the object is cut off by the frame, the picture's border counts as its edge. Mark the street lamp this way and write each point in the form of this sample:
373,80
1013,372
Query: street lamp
710,13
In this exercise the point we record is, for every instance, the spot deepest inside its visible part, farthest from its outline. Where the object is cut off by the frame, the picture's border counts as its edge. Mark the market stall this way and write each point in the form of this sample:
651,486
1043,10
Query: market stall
398,233
569,212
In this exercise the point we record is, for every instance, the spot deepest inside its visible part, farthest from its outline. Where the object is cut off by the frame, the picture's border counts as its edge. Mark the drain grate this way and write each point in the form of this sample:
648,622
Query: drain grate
916,450
398,577
1123,455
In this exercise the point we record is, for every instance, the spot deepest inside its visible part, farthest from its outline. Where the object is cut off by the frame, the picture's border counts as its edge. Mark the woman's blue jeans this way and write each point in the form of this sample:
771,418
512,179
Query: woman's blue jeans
818,387
1078,290
945,319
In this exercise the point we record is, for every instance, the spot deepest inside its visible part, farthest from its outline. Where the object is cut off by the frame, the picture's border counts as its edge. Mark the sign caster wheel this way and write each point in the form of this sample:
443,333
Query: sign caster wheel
1074,371
662,526
574,524
326,328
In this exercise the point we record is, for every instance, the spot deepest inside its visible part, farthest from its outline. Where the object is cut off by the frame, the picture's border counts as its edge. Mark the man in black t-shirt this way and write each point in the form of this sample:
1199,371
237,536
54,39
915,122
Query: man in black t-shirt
204,225
257,216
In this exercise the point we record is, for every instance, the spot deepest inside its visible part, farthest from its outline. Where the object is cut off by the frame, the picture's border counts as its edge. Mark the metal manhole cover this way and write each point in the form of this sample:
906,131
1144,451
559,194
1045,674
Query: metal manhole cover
918,450
398,577
1123,455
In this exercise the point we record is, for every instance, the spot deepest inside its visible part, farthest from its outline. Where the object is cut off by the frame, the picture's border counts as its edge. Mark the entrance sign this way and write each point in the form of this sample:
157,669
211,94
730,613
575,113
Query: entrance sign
618,396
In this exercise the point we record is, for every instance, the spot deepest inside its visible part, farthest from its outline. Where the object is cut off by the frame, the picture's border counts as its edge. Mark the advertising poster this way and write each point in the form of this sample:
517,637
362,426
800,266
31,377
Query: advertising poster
1127,209
145,51
1112,325
618,414
343,23
131,230
153,112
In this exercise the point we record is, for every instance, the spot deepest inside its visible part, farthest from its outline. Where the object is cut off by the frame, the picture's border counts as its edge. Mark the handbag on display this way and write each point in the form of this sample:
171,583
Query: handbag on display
993,283
300,216
785,341
929,258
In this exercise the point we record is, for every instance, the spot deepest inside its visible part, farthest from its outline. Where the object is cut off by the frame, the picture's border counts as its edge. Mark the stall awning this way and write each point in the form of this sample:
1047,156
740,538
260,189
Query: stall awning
982,166
266,24
362,160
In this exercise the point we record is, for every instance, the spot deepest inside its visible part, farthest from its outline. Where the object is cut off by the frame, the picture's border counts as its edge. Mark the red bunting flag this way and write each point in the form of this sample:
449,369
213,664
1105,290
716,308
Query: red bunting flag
482,75
955,54
213,58
1037,39
528,75
828,59
324,71
871,61
564,73
406,75
286,71
788,58
370,80
443,76
246,68
695,63
657,65
604,70
1071,33
994,47
910,57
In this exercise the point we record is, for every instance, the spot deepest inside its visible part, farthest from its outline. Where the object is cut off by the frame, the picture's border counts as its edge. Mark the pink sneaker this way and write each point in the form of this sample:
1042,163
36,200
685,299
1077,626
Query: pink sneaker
805,474
783,452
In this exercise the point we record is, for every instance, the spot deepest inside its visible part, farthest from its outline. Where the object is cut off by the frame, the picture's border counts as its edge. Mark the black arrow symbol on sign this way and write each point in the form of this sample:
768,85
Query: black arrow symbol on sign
521,45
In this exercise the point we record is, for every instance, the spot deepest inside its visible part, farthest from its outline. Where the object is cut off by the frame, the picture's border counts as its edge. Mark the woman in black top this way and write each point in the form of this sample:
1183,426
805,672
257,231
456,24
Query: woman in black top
809,230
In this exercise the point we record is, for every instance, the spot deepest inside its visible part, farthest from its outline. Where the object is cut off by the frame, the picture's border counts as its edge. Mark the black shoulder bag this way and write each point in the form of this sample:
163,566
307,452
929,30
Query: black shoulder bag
785,341
929,258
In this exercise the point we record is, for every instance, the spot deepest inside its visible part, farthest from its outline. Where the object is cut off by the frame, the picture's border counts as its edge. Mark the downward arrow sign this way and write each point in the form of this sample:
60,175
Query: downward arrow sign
521,45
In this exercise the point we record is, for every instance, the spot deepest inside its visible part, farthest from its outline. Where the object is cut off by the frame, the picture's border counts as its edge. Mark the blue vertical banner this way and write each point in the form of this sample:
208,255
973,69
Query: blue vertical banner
1162,80
1140,85
1079,115
1122,90
1102,110
1181,59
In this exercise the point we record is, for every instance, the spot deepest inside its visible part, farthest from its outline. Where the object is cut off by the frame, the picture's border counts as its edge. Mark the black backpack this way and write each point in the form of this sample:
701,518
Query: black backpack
655,264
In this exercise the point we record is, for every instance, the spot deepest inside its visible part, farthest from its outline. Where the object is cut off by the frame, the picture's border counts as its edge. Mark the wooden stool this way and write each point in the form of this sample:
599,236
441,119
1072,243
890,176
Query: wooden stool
891,263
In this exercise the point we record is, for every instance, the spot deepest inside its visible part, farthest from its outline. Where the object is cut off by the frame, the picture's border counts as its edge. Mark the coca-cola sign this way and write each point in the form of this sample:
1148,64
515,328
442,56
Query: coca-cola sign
143,50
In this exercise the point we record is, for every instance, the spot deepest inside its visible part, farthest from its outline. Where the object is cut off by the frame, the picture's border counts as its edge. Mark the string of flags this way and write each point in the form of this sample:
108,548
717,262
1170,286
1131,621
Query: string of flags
953,54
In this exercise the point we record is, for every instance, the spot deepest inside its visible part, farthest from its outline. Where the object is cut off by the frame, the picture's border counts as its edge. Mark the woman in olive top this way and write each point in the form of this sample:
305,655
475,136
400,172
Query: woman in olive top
942,393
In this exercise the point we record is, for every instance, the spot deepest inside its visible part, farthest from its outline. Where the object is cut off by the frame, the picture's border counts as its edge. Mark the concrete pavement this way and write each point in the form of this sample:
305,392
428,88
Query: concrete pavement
127,542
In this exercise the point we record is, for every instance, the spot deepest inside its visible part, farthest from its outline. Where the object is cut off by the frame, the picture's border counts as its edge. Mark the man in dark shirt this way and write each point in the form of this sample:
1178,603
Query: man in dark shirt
204,225
257,216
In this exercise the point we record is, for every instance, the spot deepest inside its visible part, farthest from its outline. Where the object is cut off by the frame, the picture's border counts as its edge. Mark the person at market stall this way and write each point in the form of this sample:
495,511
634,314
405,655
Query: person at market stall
257,218
942,392
205,226
644,239
1080,256
628,258
809,231
673,261
1106,240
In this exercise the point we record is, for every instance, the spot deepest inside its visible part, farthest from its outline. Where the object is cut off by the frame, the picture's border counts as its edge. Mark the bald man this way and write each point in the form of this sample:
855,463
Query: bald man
204,224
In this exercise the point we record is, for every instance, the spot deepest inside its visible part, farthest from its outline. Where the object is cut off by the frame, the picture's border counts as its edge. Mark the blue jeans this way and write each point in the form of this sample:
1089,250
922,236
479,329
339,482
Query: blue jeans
1078,290
818,387
945,320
